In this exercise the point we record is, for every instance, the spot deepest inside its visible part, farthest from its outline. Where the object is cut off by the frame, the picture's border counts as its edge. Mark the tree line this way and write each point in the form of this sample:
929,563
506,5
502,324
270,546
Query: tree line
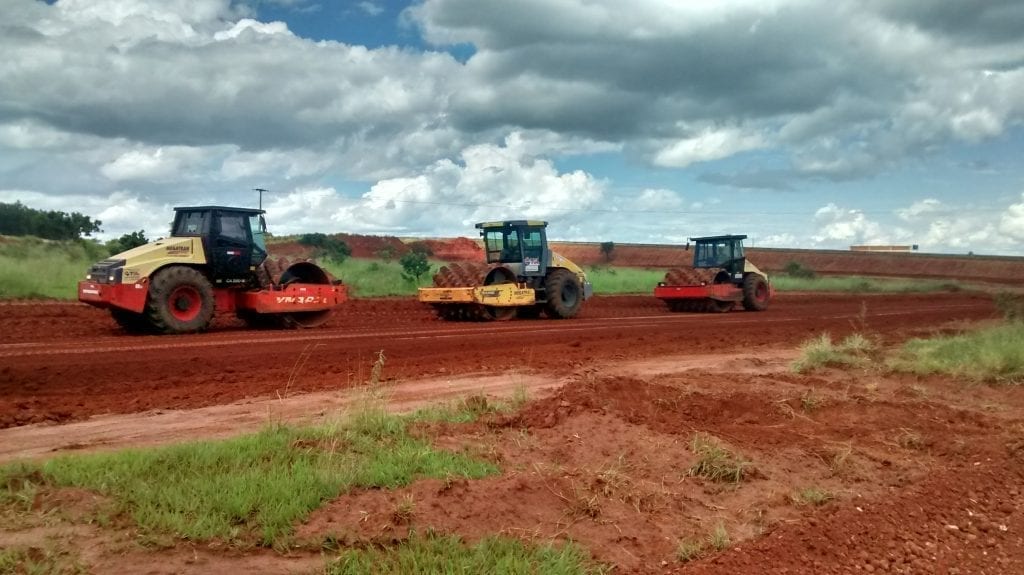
18,219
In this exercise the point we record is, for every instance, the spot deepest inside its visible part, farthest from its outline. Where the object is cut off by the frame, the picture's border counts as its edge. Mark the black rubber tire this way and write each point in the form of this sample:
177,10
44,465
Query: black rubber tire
180,300
130,321
255,320
564,294
718,306
755,292
530,312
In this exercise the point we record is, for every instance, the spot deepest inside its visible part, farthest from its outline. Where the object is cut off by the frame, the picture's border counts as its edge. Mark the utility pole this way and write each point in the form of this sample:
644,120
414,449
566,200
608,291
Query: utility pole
260,190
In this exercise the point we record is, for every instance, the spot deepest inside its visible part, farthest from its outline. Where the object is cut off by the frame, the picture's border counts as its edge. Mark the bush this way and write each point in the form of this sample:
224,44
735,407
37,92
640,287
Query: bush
798,270
127,242
415,265
1011,305
387,253
421,247
326,247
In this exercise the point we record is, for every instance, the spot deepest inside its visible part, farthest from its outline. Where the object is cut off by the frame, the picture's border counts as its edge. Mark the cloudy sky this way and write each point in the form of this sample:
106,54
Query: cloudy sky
798,122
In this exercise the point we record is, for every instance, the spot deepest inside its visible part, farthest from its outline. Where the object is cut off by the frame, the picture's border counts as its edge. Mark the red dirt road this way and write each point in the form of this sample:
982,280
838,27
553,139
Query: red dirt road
914,474
62,362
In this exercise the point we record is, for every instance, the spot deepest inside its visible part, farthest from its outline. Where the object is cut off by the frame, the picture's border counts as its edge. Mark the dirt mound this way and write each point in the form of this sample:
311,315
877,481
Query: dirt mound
665,408
456,250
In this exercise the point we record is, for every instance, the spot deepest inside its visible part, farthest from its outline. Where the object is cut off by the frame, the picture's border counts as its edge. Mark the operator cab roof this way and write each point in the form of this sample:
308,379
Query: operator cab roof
718,238
252,211
511,223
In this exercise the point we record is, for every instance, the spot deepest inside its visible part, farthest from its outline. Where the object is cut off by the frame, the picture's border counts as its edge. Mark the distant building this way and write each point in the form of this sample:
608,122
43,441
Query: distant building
884,248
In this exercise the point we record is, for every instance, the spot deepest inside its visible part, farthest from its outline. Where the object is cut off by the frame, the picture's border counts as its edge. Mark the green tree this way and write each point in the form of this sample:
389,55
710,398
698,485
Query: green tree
127,242
415,265
607,248
327,247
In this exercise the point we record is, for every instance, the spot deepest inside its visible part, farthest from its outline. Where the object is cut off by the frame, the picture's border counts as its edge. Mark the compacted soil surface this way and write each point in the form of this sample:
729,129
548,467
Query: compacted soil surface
839,471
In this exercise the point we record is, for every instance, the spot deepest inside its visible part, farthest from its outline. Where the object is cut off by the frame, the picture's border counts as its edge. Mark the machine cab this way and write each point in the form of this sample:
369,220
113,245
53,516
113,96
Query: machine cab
719,252
519,244
233,239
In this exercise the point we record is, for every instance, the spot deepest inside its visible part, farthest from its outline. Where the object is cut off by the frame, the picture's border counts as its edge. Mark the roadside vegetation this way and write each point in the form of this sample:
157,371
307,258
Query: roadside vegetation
33,268
378,278
251,489
623,280
859,284
990,354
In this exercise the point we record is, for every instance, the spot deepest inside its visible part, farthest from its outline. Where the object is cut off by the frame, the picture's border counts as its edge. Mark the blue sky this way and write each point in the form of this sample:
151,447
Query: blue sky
797,123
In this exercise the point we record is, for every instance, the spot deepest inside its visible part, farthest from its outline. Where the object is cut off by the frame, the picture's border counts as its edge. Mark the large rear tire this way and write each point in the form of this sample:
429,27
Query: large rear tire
755,292
130,321
563,292
180,300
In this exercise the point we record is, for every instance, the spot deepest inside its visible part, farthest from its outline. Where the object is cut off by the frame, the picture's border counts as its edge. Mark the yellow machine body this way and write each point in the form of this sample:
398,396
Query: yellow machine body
497,295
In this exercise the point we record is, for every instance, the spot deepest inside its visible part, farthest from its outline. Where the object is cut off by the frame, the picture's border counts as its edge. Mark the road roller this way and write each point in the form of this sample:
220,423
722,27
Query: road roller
521,278
215,259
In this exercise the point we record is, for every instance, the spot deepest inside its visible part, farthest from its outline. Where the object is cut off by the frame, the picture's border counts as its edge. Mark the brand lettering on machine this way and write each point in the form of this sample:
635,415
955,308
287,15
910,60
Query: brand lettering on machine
298,299
181,250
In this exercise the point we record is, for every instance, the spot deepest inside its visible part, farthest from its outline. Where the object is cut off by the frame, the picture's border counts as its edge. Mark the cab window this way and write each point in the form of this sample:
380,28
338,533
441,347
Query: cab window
258,233
234,227
533,245
502,245
191,224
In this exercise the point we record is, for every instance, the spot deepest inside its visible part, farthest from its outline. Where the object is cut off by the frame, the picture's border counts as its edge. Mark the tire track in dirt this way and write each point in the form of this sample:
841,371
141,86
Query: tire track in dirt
48,373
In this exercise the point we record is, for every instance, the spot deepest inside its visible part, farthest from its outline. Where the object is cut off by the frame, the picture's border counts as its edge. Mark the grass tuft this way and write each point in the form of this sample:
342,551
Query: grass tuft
854,350
426,555
719,538
689,549
813,496
715,462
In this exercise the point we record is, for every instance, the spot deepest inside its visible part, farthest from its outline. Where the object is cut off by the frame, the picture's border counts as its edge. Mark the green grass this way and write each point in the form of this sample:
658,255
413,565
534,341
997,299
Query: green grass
689,549
34,268
252,488
469,409
715,461
623,280
821,351
859,284
994,355
719,538
812,496
427,555
377,278
48,560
